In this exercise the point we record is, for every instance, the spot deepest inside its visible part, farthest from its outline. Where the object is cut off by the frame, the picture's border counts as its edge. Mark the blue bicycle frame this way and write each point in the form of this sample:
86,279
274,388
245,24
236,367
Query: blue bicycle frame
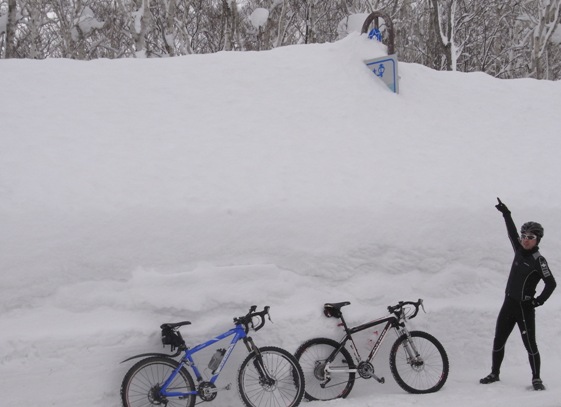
238,334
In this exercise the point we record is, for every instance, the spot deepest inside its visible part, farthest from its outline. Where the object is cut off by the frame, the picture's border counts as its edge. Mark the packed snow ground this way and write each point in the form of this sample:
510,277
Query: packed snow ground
137,192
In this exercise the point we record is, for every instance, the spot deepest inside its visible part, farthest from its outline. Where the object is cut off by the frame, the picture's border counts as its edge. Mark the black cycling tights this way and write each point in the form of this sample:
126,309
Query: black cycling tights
522,314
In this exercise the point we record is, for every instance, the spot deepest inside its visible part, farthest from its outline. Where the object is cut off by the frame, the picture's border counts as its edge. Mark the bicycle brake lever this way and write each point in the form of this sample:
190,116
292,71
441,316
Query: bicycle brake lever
266,312
422,305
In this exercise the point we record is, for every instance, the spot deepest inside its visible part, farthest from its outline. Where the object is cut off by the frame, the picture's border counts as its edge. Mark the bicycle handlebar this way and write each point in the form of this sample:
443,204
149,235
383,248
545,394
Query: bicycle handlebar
247,319
398,309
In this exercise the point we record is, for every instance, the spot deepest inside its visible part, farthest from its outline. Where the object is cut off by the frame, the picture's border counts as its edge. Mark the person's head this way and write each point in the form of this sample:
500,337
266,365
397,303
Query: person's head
530,234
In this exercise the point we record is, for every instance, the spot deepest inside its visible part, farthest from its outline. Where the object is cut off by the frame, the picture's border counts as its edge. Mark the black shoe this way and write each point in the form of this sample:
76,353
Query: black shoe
491,378
538,384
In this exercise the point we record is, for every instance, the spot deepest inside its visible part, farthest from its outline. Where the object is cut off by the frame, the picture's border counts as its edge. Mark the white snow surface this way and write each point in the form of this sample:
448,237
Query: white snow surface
137,192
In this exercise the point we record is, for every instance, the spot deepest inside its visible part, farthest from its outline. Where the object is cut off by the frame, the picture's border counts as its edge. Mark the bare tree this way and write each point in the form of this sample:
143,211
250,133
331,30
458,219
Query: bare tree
546,23
231,25
444,15
140,27
10,47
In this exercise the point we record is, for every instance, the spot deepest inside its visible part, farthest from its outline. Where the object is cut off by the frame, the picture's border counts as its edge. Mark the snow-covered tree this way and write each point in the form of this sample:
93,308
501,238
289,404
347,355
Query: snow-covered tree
505,38
543,20
10,30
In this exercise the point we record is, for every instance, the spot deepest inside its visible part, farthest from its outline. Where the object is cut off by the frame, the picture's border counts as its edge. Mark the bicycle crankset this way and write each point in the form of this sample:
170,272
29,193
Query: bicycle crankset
366,371
207,391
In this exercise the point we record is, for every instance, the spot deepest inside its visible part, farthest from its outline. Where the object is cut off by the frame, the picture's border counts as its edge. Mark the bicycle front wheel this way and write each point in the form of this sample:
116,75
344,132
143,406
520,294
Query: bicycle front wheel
420,364
312,356
273,379
142,383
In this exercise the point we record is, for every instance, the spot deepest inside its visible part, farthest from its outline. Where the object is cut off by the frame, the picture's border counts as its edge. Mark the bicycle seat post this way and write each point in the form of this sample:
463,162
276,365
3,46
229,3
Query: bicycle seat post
345,326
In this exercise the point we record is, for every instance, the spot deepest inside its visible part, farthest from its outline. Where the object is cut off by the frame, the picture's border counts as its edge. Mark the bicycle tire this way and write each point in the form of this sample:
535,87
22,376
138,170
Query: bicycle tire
141,383
288,387
312,355
426,377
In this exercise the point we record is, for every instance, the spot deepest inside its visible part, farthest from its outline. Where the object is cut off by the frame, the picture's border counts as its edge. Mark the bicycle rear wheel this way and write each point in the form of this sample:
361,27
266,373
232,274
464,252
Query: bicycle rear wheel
142,383
423,373
283,388
312,356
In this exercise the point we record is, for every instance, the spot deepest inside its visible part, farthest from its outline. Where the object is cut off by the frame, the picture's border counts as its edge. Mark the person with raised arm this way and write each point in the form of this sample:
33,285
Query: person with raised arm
528,268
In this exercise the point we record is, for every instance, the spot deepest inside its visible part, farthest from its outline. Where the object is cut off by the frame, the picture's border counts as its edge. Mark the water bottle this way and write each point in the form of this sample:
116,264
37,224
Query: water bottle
216,359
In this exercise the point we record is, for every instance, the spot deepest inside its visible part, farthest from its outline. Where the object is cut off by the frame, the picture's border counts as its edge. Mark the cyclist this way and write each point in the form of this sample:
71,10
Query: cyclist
528,268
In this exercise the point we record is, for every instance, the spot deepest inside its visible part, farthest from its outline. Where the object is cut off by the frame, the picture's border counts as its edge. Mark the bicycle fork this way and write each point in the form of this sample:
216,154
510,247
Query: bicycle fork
264,376
414,358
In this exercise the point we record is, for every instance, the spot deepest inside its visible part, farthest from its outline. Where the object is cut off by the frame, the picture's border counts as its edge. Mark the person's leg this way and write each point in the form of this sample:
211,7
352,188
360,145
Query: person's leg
527,326
506,321
505,324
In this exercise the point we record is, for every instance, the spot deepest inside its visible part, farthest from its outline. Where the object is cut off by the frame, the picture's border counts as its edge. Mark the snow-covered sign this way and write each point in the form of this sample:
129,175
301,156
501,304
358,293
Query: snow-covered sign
386,69
259,17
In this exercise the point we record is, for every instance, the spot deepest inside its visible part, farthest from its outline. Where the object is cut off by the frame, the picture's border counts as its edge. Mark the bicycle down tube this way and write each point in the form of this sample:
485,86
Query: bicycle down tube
391,321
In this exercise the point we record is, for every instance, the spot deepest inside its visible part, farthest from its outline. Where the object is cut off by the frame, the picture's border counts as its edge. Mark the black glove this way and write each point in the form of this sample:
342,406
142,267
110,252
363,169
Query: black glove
501,207
536,302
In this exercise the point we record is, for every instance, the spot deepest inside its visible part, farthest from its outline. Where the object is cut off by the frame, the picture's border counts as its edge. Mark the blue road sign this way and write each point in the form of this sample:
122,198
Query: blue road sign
386,69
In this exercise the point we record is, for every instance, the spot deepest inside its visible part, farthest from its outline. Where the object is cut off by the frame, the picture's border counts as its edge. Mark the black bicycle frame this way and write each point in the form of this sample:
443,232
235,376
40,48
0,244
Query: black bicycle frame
391,321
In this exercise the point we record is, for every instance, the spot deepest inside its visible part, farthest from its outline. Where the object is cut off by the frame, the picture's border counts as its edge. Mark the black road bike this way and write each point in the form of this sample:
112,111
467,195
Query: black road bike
418,361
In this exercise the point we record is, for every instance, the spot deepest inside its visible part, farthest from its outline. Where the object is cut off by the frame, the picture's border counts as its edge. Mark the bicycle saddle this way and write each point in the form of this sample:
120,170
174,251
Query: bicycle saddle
173,325
333,309
337,305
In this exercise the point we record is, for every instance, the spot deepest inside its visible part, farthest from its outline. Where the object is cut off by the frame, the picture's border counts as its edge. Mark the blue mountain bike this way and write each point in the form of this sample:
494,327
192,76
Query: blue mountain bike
268,377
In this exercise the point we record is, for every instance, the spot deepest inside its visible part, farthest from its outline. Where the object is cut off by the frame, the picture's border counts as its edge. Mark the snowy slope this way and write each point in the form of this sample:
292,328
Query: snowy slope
137,192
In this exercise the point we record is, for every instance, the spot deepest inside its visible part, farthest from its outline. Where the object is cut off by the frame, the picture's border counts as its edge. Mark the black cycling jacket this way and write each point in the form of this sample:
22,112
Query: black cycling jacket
528,268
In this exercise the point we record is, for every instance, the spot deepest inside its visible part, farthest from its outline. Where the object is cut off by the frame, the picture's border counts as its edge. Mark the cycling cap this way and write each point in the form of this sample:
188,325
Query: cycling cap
534,228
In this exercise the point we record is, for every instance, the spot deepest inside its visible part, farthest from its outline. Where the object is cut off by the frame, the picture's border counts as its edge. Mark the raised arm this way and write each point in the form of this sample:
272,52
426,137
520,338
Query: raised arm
510,226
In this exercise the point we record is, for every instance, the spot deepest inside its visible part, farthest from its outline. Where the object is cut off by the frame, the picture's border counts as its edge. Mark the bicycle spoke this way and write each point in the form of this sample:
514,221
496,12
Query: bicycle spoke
141,384
425,373
282,384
